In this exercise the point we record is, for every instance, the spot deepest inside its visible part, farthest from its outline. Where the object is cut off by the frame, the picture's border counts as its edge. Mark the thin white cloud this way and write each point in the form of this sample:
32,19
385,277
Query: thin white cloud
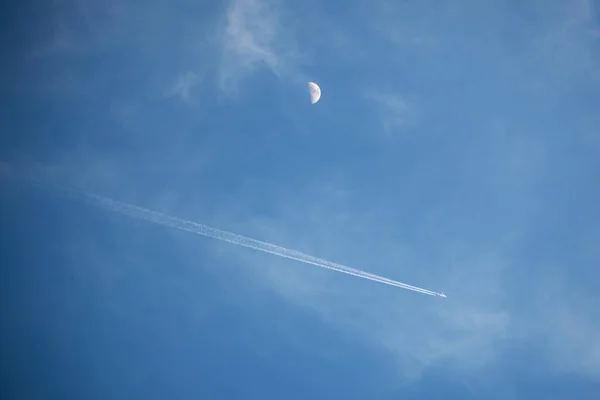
184,84
251,39
394,111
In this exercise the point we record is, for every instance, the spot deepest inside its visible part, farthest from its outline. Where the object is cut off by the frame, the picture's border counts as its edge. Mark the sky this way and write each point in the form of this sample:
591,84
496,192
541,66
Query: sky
456,147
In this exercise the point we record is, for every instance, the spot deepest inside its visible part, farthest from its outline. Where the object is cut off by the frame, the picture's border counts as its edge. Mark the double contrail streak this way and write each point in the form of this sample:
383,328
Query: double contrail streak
200,229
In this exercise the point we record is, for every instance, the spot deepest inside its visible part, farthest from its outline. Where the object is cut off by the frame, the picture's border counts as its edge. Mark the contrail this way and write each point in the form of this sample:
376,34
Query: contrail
189,226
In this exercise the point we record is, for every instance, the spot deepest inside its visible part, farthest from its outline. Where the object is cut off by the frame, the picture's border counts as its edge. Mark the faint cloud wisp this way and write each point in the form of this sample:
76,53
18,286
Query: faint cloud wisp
184,84
251,39
394,111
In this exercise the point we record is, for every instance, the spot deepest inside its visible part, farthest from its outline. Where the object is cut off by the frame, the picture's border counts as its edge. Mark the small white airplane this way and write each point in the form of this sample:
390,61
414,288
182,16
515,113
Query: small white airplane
441,294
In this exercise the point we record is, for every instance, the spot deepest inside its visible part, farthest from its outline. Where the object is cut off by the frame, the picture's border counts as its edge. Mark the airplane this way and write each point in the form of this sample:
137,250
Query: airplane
441,294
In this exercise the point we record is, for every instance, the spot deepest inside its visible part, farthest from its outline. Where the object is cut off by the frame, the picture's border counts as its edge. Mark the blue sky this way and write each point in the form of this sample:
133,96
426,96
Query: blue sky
455,147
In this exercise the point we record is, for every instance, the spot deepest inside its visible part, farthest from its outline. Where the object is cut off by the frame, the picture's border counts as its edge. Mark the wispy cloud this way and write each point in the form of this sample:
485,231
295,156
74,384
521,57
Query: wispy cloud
184,84
251,39
394,111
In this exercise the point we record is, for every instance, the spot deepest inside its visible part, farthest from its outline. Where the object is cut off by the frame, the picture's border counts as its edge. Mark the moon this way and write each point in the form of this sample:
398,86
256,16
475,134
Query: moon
315,92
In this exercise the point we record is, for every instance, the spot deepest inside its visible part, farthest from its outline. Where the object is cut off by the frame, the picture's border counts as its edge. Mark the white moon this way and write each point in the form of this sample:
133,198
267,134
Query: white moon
315,92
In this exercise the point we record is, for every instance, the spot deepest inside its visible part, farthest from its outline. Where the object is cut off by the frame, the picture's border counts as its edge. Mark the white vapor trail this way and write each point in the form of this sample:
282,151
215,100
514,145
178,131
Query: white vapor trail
189,226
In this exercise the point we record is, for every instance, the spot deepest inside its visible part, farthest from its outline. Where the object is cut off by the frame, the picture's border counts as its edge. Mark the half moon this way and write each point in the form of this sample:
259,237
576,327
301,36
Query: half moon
315,92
